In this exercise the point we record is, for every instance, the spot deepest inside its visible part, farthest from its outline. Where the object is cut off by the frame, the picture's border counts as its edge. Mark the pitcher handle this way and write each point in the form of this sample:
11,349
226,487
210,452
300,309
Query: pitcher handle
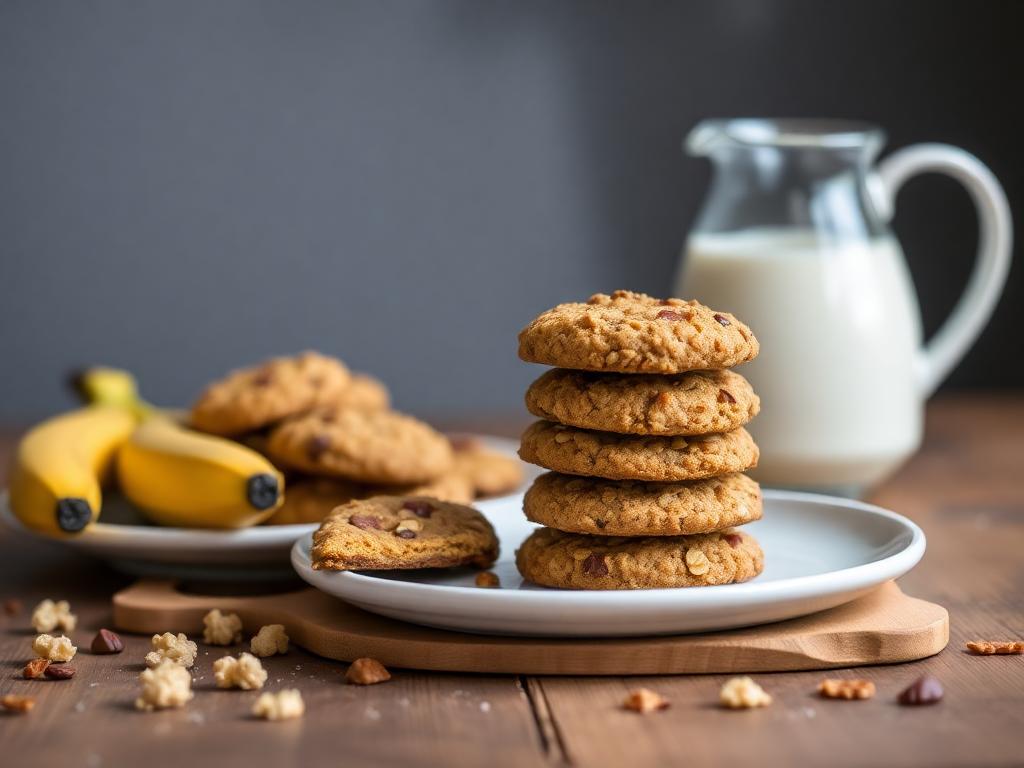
995,229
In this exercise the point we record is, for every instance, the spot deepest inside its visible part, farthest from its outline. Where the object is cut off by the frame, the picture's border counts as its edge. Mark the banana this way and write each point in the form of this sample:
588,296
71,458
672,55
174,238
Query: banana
59,465
110,386
180,477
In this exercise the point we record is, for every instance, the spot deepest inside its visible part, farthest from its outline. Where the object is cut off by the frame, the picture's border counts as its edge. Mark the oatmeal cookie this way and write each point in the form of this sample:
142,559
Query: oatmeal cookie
364,391
487,472
635,333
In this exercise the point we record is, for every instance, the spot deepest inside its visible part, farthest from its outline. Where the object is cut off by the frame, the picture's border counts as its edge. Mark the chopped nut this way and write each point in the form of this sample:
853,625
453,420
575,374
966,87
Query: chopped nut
221,628
367,672
365,522
176,648
562,437
269,640
832,688
487,579
49,616
13,703
697,562
678,443
668,314
12,607
59,671
54,648
106,642
724,396
283,705
924,690
743,693
245,672
164,686
722,320
35,668
995,647
414,526
644,700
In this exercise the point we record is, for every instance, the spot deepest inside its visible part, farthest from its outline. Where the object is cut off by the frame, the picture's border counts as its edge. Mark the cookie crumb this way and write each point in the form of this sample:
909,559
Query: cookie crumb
367,672
832,688
50,615
283,705
487,580
743,693
54,648
170,647
245,672
164,686
995,647
221,628
644,700
269,640
14,703
35,669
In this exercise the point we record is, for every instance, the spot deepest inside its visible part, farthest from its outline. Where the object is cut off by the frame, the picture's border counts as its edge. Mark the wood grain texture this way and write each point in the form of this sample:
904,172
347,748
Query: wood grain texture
965,488
883,627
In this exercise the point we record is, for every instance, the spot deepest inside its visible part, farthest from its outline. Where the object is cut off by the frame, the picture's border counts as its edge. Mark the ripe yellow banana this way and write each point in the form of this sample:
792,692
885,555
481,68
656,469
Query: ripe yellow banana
177,476
60,464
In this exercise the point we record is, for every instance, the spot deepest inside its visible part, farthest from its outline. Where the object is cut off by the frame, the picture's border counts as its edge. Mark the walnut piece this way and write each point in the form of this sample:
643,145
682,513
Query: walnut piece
14,703
644,700
245,672
487,580
367,672
166,685
269,640
171,647
697,562
221,628
54,648
832,688
283,705
995,647
743,693
49,616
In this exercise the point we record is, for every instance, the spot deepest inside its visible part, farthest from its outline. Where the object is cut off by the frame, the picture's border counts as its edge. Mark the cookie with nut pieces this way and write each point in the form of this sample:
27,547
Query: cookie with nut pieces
388,532
632,332
575,561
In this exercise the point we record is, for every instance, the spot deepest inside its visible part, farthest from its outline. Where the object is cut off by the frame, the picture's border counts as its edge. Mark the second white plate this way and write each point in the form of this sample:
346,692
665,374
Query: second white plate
820,552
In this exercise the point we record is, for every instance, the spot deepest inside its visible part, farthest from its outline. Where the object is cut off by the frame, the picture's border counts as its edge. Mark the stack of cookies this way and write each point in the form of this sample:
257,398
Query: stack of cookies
642,427
335,436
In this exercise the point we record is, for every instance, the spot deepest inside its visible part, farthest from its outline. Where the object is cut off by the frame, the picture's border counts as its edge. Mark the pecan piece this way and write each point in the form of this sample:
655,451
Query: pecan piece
832,688
365,522
997,647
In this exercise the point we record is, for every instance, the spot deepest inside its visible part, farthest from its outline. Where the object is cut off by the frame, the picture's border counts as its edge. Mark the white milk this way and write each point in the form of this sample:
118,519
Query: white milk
839,334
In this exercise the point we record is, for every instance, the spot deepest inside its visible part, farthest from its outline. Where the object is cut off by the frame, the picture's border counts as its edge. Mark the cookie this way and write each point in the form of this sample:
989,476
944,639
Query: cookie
388,532
633,508
310,500
251,398
452,486
693,403
635,333
574,451
364,391
488,473
575,561
368,446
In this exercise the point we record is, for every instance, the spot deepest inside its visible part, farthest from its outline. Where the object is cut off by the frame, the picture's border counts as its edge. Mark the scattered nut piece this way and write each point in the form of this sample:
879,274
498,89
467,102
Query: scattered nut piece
14,703
269,640
367,672
106,642
221,628
12,607
924,690
171,647
487,580
743,693
35,668
59,671
832,688
998,647
164,686
245,672
644,700
697,562
49,616
283,705
412,524
54,648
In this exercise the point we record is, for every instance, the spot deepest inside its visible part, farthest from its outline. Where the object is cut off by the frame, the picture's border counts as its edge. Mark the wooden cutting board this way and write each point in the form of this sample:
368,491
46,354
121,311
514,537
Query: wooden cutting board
883,627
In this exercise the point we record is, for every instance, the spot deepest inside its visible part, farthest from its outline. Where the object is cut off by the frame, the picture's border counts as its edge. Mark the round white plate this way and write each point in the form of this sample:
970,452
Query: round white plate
129,543
820,552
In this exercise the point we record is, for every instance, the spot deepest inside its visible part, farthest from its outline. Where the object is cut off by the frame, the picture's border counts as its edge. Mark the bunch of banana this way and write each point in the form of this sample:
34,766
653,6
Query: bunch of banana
174,475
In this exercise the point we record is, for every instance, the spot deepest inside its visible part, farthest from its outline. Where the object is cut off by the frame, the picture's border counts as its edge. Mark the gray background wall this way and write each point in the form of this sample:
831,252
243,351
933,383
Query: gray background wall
191,186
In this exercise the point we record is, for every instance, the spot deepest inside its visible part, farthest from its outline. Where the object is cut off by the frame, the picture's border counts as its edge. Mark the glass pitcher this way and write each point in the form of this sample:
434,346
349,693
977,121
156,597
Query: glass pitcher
793,239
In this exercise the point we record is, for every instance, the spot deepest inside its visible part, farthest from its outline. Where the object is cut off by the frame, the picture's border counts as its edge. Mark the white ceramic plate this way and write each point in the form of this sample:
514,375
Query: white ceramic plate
820,552
128,542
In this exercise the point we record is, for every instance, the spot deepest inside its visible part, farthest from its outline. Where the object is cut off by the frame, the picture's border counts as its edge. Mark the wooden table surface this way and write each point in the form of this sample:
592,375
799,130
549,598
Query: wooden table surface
966,489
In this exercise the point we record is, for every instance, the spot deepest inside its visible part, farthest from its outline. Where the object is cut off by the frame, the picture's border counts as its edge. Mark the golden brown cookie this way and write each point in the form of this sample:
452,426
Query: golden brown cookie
575,561
693,403
311,499
452,486
364,391
488,473
368,446
633,508
251,398
635,333
403,532
586,452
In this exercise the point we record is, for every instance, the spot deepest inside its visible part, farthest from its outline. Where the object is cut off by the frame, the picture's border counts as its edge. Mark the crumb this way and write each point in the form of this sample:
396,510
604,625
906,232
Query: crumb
743,693
269,640
221,628
644,700
14,703
995,647
367,672
50,615
488,580
245,672
831,688
283,705
54,648
164,686
170,647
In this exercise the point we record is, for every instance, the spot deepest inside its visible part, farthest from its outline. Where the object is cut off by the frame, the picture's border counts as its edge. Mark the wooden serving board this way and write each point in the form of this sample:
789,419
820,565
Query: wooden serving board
883,627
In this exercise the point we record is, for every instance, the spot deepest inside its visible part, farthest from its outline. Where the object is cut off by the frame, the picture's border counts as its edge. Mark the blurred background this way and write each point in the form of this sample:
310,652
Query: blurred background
189,186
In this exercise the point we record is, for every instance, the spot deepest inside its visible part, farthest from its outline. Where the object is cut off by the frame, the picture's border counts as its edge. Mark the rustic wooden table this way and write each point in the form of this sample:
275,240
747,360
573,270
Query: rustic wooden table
966,488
